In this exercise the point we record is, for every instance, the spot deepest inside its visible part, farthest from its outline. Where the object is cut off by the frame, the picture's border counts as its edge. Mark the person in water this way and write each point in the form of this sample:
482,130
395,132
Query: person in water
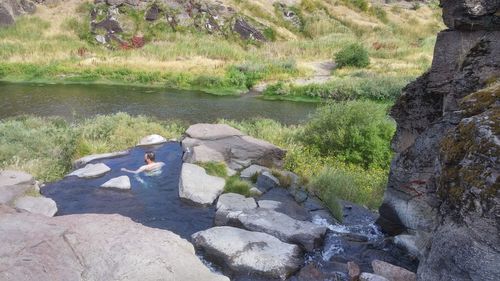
150,167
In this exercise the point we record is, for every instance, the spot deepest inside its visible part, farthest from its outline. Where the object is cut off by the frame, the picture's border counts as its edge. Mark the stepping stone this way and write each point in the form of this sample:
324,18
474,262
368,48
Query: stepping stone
266,181
235,202
122,182
249,252
91,171
252,170
85,160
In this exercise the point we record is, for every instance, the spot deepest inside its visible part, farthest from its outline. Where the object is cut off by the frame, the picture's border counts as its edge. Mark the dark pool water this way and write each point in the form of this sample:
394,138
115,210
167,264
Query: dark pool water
154,202
81,101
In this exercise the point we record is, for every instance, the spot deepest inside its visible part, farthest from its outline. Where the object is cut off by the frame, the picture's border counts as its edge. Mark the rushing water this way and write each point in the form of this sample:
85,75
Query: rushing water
80,101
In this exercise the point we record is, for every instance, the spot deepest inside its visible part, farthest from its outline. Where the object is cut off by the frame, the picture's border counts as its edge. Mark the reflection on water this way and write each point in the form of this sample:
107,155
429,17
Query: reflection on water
153,200
80,101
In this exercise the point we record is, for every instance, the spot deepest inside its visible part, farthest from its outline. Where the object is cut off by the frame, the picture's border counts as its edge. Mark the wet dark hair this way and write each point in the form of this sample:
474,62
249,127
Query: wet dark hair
150,155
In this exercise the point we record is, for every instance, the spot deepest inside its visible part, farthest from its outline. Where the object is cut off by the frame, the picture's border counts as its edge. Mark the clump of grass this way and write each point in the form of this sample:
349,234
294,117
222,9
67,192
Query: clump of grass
235,185
254,177
284,179
217,169
352,55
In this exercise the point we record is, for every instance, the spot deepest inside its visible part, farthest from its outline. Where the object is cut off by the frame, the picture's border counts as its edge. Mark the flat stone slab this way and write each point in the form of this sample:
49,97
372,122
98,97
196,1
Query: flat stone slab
122,182
266,181
151,140
89,158
37,205
287,229
252,170
11,177
199,187
212,131
269,204
250,252
91,171
11,192
235,202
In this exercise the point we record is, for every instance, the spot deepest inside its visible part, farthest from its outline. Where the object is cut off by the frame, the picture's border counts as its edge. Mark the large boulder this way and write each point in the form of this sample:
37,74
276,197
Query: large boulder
249,252
197,186
392,272
14,184
249,172
91,171
219,142
287,229
10,9
152,140
442,194
235,202
37,205
93,247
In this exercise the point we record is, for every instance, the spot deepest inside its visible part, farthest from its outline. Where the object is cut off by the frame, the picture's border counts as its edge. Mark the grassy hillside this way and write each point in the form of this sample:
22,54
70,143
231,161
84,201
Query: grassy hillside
55,45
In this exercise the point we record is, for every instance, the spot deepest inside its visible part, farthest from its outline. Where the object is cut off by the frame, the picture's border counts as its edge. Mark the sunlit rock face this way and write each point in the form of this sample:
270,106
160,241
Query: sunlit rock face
442,198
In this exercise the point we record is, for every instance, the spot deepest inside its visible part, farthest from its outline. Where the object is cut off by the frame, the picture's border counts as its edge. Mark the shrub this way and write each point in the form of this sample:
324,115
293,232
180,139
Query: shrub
217,169
357,132
270,34
235,185
325,185
353,55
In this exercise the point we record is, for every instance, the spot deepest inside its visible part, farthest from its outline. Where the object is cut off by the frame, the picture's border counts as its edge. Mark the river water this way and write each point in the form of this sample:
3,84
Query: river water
80,101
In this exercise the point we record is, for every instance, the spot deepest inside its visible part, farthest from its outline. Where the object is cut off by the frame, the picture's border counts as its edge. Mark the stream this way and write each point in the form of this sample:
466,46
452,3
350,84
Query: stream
155,202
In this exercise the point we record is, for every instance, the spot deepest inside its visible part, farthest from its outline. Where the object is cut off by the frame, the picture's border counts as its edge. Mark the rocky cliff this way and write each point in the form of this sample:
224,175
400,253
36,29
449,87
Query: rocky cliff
442,199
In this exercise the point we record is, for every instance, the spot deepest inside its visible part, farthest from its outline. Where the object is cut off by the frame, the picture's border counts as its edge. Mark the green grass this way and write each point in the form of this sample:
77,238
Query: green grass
235,185
217,169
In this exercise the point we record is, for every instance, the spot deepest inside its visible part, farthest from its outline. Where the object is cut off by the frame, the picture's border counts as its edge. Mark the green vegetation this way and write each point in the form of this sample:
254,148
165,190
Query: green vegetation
357,132
235,185
217,169
46,147
353,55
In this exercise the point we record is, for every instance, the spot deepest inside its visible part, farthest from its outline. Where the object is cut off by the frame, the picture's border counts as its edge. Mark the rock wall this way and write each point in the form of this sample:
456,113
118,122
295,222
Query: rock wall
442,199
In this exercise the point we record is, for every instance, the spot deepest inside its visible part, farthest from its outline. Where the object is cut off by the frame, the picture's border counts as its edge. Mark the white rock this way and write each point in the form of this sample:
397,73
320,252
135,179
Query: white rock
250,252
89,158
122,182
269,204
279,225
199,187
37,205
152,140
252,170
235,202
255,191
91,171
11,177
212,131
230,172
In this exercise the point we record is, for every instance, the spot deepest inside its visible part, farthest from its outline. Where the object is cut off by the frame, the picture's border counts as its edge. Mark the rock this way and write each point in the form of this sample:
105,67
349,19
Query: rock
152,140
266,181
230,172
247,32
235,202
285,228
11,177
218,142
249,252
91,171
313,204
121,2
10,9
300,195
122,182
392,272
153,13
89,158
325,216
310,272
94,247
252,170
353,271
37,205
212,132
471,14
199,187
6,17
269,204
371,277
441,192
100,39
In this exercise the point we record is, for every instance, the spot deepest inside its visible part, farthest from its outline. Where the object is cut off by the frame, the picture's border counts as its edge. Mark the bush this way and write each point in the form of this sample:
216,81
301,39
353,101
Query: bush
357,132
352,55
217,169
235,185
